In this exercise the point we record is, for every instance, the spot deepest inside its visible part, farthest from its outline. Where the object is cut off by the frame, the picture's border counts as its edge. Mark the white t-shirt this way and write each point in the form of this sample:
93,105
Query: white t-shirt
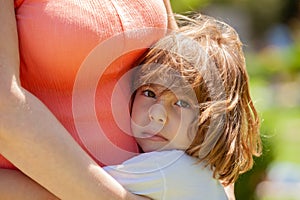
167,175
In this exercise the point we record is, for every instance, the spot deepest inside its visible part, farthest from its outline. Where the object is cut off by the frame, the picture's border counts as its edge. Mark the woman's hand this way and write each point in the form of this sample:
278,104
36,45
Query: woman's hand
171,20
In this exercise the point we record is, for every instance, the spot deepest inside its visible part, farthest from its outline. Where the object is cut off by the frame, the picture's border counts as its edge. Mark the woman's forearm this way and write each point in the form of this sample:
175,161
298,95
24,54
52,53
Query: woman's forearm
15,185
9,52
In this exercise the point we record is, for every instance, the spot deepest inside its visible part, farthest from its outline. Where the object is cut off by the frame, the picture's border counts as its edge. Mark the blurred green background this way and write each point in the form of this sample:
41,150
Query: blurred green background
270,31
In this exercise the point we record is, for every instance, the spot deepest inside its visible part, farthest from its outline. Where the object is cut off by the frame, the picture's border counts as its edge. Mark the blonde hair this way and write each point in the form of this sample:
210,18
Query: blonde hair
208,55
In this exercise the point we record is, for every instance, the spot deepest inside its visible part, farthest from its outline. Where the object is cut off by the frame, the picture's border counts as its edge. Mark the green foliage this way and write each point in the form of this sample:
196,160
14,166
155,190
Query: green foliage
275,79
275,63
272,72
182,6
246,184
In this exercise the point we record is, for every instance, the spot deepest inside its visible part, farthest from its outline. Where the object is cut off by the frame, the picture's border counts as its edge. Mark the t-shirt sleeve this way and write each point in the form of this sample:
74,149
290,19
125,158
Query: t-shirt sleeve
140,175
168,175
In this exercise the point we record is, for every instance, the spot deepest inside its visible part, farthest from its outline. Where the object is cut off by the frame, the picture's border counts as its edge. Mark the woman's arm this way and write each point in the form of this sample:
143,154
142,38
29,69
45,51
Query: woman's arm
33,139
15,185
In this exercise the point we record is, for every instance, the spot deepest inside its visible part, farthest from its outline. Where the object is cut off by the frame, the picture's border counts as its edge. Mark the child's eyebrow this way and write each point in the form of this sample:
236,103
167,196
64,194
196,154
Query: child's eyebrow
178,92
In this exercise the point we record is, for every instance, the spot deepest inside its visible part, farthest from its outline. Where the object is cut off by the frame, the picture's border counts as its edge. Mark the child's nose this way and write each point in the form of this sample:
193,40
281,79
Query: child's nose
158,113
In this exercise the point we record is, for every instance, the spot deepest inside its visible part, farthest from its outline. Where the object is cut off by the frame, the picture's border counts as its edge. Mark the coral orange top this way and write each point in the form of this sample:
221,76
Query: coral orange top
76,47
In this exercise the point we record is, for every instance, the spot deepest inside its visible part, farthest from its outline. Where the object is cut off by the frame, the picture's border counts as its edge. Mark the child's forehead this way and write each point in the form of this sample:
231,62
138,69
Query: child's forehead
160,74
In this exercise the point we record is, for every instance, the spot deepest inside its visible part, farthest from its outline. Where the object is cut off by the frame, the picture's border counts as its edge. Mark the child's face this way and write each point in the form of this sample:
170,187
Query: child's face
161,120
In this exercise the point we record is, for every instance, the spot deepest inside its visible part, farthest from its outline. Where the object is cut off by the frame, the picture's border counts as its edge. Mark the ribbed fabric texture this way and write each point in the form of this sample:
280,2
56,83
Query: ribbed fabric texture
56,36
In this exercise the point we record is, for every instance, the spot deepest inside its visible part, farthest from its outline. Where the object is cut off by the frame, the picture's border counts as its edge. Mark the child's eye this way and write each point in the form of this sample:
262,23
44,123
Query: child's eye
149,93
183,104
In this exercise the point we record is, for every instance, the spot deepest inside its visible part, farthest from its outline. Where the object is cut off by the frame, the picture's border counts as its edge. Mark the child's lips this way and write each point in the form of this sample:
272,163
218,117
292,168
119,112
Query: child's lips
154,137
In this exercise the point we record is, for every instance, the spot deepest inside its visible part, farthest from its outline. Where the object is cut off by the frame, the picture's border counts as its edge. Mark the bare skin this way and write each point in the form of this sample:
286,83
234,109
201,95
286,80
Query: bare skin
15,185
171,20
